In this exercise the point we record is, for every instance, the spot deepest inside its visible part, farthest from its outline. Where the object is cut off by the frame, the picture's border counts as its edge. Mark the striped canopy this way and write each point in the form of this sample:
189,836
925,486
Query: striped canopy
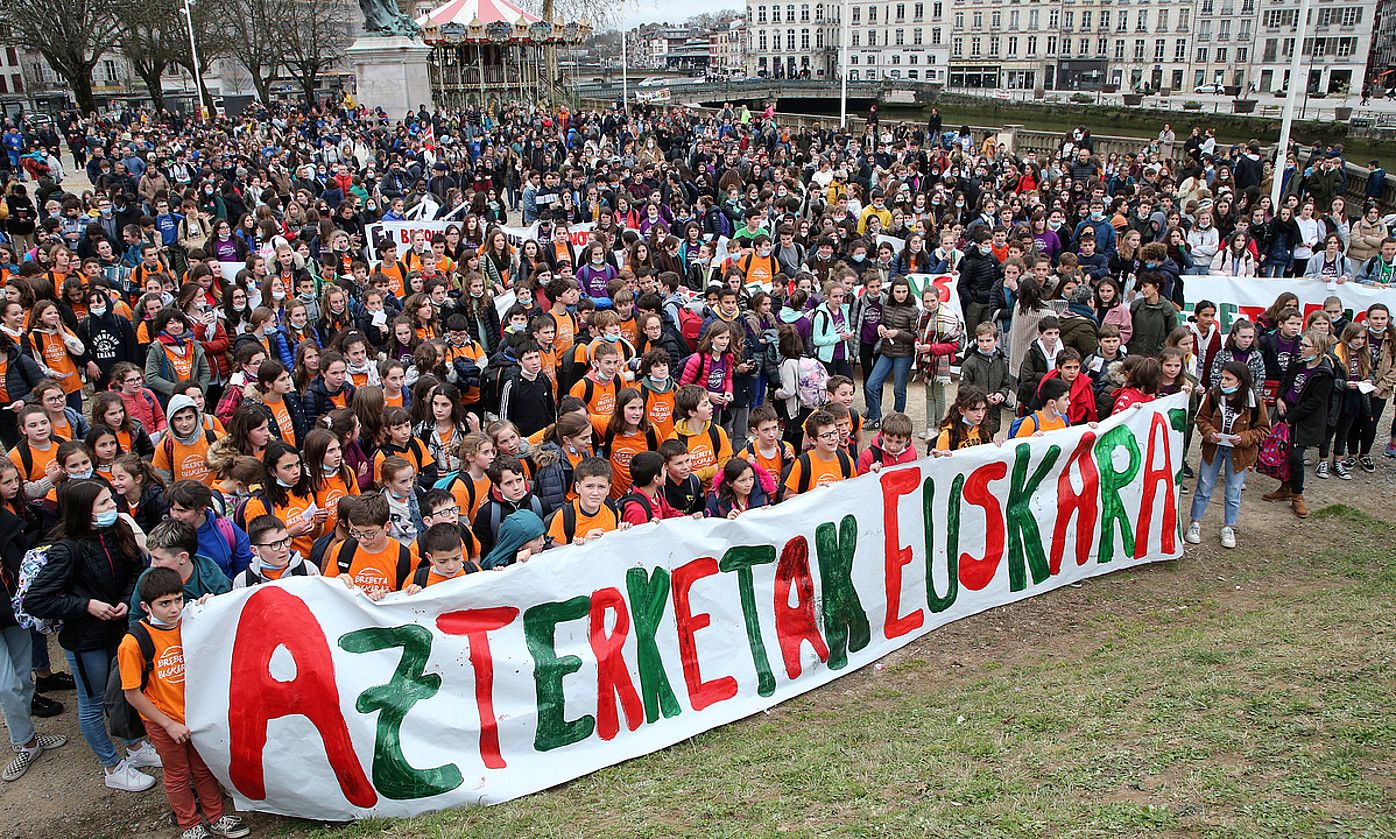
463,12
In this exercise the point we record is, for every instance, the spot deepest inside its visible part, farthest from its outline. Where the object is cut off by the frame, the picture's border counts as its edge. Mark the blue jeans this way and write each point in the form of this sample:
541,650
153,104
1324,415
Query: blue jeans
900,368
1207,481
91,670
16,688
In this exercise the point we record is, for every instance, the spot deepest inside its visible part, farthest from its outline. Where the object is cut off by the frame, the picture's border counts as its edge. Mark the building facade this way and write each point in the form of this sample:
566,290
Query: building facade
1175,45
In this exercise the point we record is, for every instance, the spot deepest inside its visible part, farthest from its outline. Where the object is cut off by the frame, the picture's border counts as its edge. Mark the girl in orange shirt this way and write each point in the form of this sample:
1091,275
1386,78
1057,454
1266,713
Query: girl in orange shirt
330,478
288,496
66,423
57,350
109,410
625,434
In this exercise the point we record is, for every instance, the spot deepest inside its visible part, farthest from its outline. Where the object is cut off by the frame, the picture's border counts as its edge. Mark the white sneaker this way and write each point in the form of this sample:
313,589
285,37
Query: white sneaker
1228,537
198,831
1194,534
128,778
145,758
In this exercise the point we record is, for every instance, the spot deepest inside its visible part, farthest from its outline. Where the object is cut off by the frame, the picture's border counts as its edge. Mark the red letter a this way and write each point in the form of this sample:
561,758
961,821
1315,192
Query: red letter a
271,618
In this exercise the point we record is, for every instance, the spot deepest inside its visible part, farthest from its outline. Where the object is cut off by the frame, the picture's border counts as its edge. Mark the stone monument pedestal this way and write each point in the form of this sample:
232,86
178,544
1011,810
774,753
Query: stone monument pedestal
391,72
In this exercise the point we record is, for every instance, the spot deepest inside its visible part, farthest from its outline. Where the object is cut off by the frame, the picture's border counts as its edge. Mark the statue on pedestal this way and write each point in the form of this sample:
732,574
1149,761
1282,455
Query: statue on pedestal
383,17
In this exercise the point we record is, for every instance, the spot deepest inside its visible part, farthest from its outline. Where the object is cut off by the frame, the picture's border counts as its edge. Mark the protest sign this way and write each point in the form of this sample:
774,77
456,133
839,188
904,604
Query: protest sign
307,699
1238,297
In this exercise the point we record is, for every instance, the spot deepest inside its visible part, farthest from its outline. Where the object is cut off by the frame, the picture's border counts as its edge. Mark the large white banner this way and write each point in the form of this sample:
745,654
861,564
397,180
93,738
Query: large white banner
307,699
402,232
1246,297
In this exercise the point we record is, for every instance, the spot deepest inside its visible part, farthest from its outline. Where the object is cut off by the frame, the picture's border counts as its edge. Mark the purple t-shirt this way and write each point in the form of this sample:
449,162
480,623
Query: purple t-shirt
872,316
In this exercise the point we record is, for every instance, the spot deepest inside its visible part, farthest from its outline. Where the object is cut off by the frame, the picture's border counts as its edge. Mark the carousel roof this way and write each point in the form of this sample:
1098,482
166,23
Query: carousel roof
463,12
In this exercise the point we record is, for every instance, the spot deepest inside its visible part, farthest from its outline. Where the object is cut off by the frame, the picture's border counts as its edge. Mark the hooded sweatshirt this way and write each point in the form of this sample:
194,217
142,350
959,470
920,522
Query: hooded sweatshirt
517,530
178,458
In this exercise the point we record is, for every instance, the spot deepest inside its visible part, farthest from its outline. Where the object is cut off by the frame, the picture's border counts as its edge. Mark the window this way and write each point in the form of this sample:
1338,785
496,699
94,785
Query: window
937,11
918,11
17,83
899,37
1280,19
790,40
1104,20
4,87
1204,31
1102,46
978,20
958,47
1069,21
804,13
1143,24
1159,47
1054,19
1163,20
804,39
1012,45
1247,7
1033,20
109,70
1085,47
853,60
1201,55
1224,30
1183,19
896,58
1352,15
974,49
1197,77
819,39
764,47
1138,49
1206,7
1180,49
1013,19
855,37
1086,20
996,19
1051,44
1119,49
1346,46
1242,55
1245,31
935,36
857,15
912,74
1066,46
872,14
901,12
1271,49
914,58
916,37
1032,45
11,57
959,20
761,15
1123,24
993,45
1221,55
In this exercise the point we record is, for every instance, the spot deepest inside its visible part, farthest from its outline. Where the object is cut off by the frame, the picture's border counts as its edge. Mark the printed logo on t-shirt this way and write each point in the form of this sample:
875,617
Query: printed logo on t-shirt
372,581
169,665
826,479
194,466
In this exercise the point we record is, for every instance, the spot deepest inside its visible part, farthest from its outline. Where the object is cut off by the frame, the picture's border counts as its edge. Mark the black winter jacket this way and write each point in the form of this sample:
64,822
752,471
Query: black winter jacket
80,570
978,273
13,544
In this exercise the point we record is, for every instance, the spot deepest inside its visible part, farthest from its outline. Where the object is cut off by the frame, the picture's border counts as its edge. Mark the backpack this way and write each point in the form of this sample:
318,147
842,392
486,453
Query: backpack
811,384
26,455
569,519
1018,423
350,549
750,453
29,567
712,436
690,325
497,512
122,720
639,498
451,478
167,443
1273,458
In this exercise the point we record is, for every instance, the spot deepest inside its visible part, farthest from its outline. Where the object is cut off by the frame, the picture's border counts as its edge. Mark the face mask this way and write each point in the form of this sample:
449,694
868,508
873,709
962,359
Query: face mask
159,624
104,520
657,380
612,336
1153,265
1097,215
278,294
82,476
858,257
269,330
959,205
97,311
284,485
1229,390
765,252
986,249
967,421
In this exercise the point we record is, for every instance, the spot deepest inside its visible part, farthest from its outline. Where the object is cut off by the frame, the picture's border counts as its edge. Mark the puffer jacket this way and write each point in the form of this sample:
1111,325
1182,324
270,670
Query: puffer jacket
21,371
80,570
904,320
553,478
13,544
294,407
319,398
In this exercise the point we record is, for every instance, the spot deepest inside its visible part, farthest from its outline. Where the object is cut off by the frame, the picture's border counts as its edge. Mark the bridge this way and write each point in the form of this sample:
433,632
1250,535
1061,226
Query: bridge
789,94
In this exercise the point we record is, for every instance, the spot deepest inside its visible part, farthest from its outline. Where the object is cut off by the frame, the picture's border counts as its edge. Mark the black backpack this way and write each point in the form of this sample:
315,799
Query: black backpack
845,469
639,498
350,549
569,519
122,720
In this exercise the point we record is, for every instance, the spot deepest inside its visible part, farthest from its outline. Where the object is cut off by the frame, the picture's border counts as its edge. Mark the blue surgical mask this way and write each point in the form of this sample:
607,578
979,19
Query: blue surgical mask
1097,216
82,476
1230,390
104,520
159,624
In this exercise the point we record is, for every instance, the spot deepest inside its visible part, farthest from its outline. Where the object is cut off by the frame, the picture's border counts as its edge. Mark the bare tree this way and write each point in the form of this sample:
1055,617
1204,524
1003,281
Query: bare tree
254,31
152,38
71,35
315,36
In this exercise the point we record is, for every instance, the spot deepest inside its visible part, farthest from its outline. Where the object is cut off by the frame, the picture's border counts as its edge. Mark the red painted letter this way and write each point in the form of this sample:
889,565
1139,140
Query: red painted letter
896,556
1085,505
270,619
612,676
796,624
1159,430
975,574
701,694
475,625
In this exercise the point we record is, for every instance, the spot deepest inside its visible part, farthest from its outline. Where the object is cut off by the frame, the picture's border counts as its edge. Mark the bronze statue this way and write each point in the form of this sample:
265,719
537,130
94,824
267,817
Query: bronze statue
383,17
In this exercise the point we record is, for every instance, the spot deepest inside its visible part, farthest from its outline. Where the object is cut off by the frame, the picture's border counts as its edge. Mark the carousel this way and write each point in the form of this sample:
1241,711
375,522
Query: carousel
489,52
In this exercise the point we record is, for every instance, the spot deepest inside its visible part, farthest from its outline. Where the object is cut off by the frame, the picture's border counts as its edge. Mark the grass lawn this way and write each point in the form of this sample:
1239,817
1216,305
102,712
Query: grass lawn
1237,693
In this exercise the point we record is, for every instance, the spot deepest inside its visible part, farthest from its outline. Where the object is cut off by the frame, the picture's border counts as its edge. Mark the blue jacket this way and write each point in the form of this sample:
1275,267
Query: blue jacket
225,544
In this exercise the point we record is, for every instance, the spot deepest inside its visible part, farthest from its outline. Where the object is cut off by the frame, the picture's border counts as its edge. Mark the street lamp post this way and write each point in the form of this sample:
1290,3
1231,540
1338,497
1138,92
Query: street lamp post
1292,94
843,61
194,56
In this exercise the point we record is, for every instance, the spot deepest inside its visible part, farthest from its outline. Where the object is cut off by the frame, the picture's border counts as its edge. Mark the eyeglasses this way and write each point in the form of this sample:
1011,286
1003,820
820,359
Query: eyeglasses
830,435
447,511
277,546
365,535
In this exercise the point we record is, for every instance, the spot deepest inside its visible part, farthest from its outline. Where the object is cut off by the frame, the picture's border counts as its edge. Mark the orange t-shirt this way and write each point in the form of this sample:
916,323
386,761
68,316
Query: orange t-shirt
623,448
469,493
822,472
4,368
704,461
1039,423
549,357
42,458
414,452
332,489
659,407
566,326
604,519
603,395
55,356
292,512
774,464
374,572
390,401
283,421
61,427
164,687
184,462
181,363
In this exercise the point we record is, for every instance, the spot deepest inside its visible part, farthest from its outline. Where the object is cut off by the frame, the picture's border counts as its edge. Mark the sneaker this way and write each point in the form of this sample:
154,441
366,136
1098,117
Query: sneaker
1323,469
1342,471
929,435
229,827
42,706
1367,464
872,424
145,757
198,831
1194,534
1390,451
1350,461
54,682
1182,487
1187,471
49,742
23,758
128,778
1228,537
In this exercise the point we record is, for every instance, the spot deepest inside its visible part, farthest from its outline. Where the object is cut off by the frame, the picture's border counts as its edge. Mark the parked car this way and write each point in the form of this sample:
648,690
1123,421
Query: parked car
654,81
1209,87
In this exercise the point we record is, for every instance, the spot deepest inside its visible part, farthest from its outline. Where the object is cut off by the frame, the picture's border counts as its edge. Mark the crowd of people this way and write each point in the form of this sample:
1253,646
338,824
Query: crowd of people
214,376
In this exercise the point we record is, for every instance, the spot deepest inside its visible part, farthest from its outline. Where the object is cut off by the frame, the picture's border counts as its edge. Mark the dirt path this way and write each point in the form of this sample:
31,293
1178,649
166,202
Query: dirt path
62,795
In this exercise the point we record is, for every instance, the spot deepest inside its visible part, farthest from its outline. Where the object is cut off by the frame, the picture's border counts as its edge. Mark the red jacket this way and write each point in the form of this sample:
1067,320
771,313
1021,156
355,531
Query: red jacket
875,451
1082,408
